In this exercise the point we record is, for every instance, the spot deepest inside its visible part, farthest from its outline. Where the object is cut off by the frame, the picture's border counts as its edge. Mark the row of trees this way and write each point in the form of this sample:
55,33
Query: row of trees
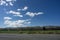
32,28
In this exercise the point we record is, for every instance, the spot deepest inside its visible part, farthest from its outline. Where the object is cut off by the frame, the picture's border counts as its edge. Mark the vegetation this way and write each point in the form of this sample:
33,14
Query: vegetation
32,30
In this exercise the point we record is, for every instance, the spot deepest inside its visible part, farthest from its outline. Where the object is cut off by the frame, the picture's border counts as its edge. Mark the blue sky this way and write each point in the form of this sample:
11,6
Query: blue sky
19,13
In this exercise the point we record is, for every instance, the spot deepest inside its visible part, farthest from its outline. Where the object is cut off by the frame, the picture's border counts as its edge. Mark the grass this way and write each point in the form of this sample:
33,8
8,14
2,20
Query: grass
33,32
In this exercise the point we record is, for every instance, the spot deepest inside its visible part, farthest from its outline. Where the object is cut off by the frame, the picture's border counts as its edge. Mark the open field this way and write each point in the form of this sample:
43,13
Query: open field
33,32
29,37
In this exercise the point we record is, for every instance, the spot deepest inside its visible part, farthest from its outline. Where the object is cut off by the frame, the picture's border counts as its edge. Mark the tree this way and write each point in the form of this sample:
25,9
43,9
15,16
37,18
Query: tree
43,28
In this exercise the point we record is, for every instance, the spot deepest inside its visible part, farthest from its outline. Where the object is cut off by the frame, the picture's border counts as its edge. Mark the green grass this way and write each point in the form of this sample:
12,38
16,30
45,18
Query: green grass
33,32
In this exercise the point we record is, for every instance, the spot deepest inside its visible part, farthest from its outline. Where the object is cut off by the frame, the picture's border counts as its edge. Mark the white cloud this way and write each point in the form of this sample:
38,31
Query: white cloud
7,18
18,23
19,15
11,3
10,0
2,2
15,13
7,2
31,14
39,13
25,8
18,9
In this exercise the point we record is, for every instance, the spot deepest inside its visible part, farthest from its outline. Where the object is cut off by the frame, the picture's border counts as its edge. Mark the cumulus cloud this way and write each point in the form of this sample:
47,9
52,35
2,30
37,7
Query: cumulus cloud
10,0
17,23
2,2
39,13
11,3
7,2
25,8
15,13
7,18
19,15
31,14
18,9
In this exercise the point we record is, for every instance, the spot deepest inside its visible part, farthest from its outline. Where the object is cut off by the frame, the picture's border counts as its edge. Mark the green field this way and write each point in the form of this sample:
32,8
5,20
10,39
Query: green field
33,32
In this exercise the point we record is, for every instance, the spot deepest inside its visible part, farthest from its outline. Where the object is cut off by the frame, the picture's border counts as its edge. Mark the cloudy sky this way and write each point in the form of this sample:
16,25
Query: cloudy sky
21,13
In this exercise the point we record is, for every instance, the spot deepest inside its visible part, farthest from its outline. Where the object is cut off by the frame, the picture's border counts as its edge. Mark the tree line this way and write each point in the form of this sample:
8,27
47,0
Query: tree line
31,28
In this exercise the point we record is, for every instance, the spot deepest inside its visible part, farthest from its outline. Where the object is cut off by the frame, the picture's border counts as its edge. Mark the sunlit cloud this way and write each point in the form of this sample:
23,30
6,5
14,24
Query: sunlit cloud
18,9
17,23
15,13
25,8
31,14
7,2
7,18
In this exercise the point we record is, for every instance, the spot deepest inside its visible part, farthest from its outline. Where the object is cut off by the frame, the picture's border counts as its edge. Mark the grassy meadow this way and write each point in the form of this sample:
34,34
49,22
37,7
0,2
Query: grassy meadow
32,30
